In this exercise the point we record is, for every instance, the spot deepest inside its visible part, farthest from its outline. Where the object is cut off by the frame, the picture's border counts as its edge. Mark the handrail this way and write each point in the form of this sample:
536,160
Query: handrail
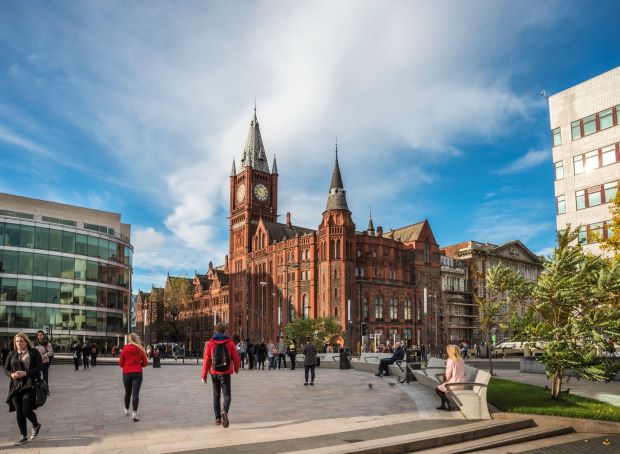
398,363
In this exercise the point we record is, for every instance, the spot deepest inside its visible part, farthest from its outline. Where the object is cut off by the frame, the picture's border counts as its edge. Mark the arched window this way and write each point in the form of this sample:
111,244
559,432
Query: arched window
306,301
336,311
332,252
365,308
379,307
291,308
338,248
394,308
407,309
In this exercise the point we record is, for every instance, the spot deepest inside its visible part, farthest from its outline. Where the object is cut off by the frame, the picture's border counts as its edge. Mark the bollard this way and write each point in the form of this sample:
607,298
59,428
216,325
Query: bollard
345,359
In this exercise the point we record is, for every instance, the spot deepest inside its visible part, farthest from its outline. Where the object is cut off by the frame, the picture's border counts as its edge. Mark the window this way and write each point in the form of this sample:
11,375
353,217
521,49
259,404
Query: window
11,235
407,309
364,308
580,198
25,263
557,137
379,308
596,232
576,129
68,242
609,155
591,160
578,164
589,125
610,191
41,238
618,115
55,240
394,309
559,170
306,306
561,204
606,118
26,238
594,196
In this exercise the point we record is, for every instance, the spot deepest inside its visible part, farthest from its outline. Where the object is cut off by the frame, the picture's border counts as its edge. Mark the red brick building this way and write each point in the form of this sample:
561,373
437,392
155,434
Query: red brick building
276,272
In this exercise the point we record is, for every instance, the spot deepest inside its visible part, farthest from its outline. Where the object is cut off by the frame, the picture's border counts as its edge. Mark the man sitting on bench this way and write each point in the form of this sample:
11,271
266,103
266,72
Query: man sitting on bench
398,355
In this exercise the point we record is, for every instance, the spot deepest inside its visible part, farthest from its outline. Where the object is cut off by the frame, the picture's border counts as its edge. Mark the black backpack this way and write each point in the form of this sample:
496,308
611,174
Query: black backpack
221,358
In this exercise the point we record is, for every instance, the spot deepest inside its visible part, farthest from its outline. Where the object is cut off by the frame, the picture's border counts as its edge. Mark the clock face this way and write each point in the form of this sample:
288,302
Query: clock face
241,193
261,192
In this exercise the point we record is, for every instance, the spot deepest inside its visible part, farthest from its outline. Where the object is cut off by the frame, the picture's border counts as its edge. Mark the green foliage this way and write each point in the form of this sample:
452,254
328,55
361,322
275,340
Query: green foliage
523,398
321,330
612,243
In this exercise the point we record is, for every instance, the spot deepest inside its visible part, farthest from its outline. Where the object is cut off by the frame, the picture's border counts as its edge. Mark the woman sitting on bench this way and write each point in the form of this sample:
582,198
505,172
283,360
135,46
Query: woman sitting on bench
455,373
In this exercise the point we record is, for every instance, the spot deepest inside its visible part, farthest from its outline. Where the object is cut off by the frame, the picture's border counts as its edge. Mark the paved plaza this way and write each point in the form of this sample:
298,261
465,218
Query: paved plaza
84,413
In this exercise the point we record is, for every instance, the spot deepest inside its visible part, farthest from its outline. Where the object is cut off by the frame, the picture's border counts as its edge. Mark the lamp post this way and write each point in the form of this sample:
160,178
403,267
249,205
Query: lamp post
288,309
262,310
425,322
144,326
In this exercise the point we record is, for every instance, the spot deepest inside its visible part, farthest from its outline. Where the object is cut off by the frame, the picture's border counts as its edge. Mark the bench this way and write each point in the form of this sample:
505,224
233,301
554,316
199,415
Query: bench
429,375
369,362
469,396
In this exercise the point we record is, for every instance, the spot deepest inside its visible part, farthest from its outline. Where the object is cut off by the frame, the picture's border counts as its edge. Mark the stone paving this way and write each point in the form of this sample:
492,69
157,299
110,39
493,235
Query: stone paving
84,413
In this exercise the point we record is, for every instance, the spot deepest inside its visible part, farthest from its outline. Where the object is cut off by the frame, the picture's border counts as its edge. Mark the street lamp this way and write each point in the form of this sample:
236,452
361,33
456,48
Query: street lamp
262,310
144,325
288,309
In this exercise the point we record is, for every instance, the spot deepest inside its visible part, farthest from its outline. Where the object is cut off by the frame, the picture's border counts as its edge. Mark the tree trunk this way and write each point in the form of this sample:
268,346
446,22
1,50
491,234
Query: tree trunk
556,384
489,353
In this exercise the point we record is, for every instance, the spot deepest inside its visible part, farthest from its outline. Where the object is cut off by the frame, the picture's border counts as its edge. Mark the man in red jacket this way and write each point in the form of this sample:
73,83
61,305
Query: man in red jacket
221,359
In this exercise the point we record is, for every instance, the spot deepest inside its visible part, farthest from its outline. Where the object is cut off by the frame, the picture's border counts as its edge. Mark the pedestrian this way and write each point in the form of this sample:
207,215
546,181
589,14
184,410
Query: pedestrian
149,352
310,353
292,353
23,366
220,360
76,352
44,347
281,353
114,349
242,348
272,354
85,356
133,359
94,352
455,373
261,355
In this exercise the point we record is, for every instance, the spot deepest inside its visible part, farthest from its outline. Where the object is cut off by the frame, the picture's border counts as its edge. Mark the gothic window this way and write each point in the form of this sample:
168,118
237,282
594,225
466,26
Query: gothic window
291,308
394,308
336,311
338,249
306,301
379,308
365,308
336,293
407,309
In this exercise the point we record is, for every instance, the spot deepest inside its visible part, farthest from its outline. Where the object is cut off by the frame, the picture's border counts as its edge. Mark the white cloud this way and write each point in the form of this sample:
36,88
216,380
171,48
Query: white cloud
530,159
167,89
547,251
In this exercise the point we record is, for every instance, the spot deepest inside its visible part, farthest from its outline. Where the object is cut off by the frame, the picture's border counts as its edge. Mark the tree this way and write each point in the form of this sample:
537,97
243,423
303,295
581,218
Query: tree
505,290
612,243
177,294
574,313
322,330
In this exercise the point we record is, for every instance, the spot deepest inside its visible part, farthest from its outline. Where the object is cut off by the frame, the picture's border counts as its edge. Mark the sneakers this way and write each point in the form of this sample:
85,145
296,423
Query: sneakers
311,383
35,432
306,384
218,422
21,440
134,416
126,410
379,374
225,421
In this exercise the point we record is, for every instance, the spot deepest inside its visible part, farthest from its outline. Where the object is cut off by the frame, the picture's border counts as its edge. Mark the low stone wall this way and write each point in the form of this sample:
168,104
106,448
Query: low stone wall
531,365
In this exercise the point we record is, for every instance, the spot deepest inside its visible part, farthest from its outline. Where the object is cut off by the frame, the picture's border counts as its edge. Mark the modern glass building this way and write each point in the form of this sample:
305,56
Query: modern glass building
65,270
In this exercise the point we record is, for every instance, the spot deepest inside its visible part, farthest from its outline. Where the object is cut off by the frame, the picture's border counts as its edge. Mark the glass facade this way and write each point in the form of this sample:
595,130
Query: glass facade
71,282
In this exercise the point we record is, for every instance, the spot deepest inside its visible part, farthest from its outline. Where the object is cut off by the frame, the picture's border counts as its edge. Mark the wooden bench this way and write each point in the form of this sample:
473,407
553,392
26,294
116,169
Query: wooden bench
469,396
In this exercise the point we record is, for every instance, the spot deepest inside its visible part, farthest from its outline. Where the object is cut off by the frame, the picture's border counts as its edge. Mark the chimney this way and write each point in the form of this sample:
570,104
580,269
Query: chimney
288,218
226,262
379,231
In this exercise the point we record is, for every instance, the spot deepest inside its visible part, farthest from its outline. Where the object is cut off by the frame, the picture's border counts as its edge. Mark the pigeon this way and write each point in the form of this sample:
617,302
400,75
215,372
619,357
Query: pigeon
370,385
392,383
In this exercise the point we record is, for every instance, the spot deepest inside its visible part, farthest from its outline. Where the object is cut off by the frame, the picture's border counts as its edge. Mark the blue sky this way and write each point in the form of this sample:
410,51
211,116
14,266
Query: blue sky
139,108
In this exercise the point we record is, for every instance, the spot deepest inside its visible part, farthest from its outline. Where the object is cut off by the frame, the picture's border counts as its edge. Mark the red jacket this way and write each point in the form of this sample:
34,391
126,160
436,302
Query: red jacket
132,359
208,355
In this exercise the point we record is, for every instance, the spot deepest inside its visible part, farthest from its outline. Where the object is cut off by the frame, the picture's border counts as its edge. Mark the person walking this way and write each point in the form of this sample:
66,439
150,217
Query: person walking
221,359
261,355
242,348
455,373
94,351
272,354
76,352
281,353
251,348
292,353
133,359
86,356
44,347
23,367
310,353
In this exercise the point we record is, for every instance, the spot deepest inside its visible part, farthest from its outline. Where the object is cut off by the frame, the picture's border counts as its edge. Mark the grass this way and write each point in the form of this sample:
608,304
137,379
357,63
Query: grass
514,397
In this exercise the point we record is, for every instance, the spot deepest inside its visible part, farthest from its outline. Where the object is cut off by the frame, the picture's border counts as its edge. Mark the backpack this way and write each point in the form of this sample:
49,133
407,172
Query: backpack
221,358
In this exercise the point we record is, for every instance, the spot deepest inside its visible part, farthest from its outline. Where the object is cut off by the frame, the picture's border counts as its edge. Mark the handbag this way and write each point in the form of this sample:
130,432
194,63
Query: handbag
41,391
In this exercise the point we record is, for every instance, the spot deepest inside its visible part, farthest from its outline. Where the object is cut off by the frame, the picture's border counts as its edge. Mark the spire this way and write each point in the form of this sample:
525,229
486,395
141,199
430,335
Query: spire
254,152
274,167
371,226
233,172
337,199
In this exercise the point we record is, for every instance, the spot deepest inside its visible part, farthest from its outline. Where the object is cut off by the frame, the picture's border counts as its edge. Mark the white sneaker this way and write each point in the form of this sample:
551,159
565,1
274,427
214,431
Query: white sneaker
135,416
126,410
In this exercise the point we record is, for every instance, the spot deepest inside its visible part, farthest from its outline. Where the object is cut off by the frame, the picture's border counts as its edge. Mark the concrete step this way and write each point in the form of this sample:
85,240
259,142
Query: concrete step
587,442
430,439
501,440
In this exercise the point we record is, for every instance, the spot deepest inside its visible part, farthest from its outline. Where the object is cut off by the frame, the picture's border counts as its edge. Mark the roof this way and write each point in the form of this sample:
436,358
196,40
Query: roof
222,276
406,234
337,199
254,152
280,232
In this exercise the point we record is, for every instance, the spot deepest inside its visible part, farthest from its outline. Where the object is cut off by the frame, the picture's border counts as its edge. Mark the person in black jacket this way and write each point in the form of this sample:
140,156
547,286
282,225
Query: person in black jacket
23,366
76,352
398,355
85,356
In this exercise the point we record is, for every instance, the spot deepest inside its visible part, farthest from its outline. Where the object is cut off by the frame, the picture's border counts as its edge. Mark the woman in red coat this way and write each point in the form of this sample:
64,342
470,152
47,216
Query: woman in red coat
133,359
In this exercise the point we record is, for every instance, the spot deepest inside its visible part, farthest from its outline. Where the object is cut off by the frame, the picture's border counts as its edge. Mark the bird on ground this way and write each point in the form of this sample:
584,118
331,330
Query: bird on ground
370,385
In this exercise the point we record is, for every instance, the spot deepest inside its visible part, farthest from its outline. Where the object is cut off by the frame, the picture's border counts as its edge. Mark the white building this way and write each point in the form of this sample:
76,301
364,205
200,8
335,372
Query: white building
585,130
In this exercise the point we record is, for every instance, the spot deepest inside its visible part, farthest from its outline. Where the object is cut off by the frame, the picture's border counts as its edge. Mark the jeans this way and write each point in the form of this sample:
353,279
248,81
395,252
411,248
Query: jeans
383,365
311,370
132,383
242,358
93,360
85,362
24,403
45,367
272,362
292,357
281,357
221,384
76,363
